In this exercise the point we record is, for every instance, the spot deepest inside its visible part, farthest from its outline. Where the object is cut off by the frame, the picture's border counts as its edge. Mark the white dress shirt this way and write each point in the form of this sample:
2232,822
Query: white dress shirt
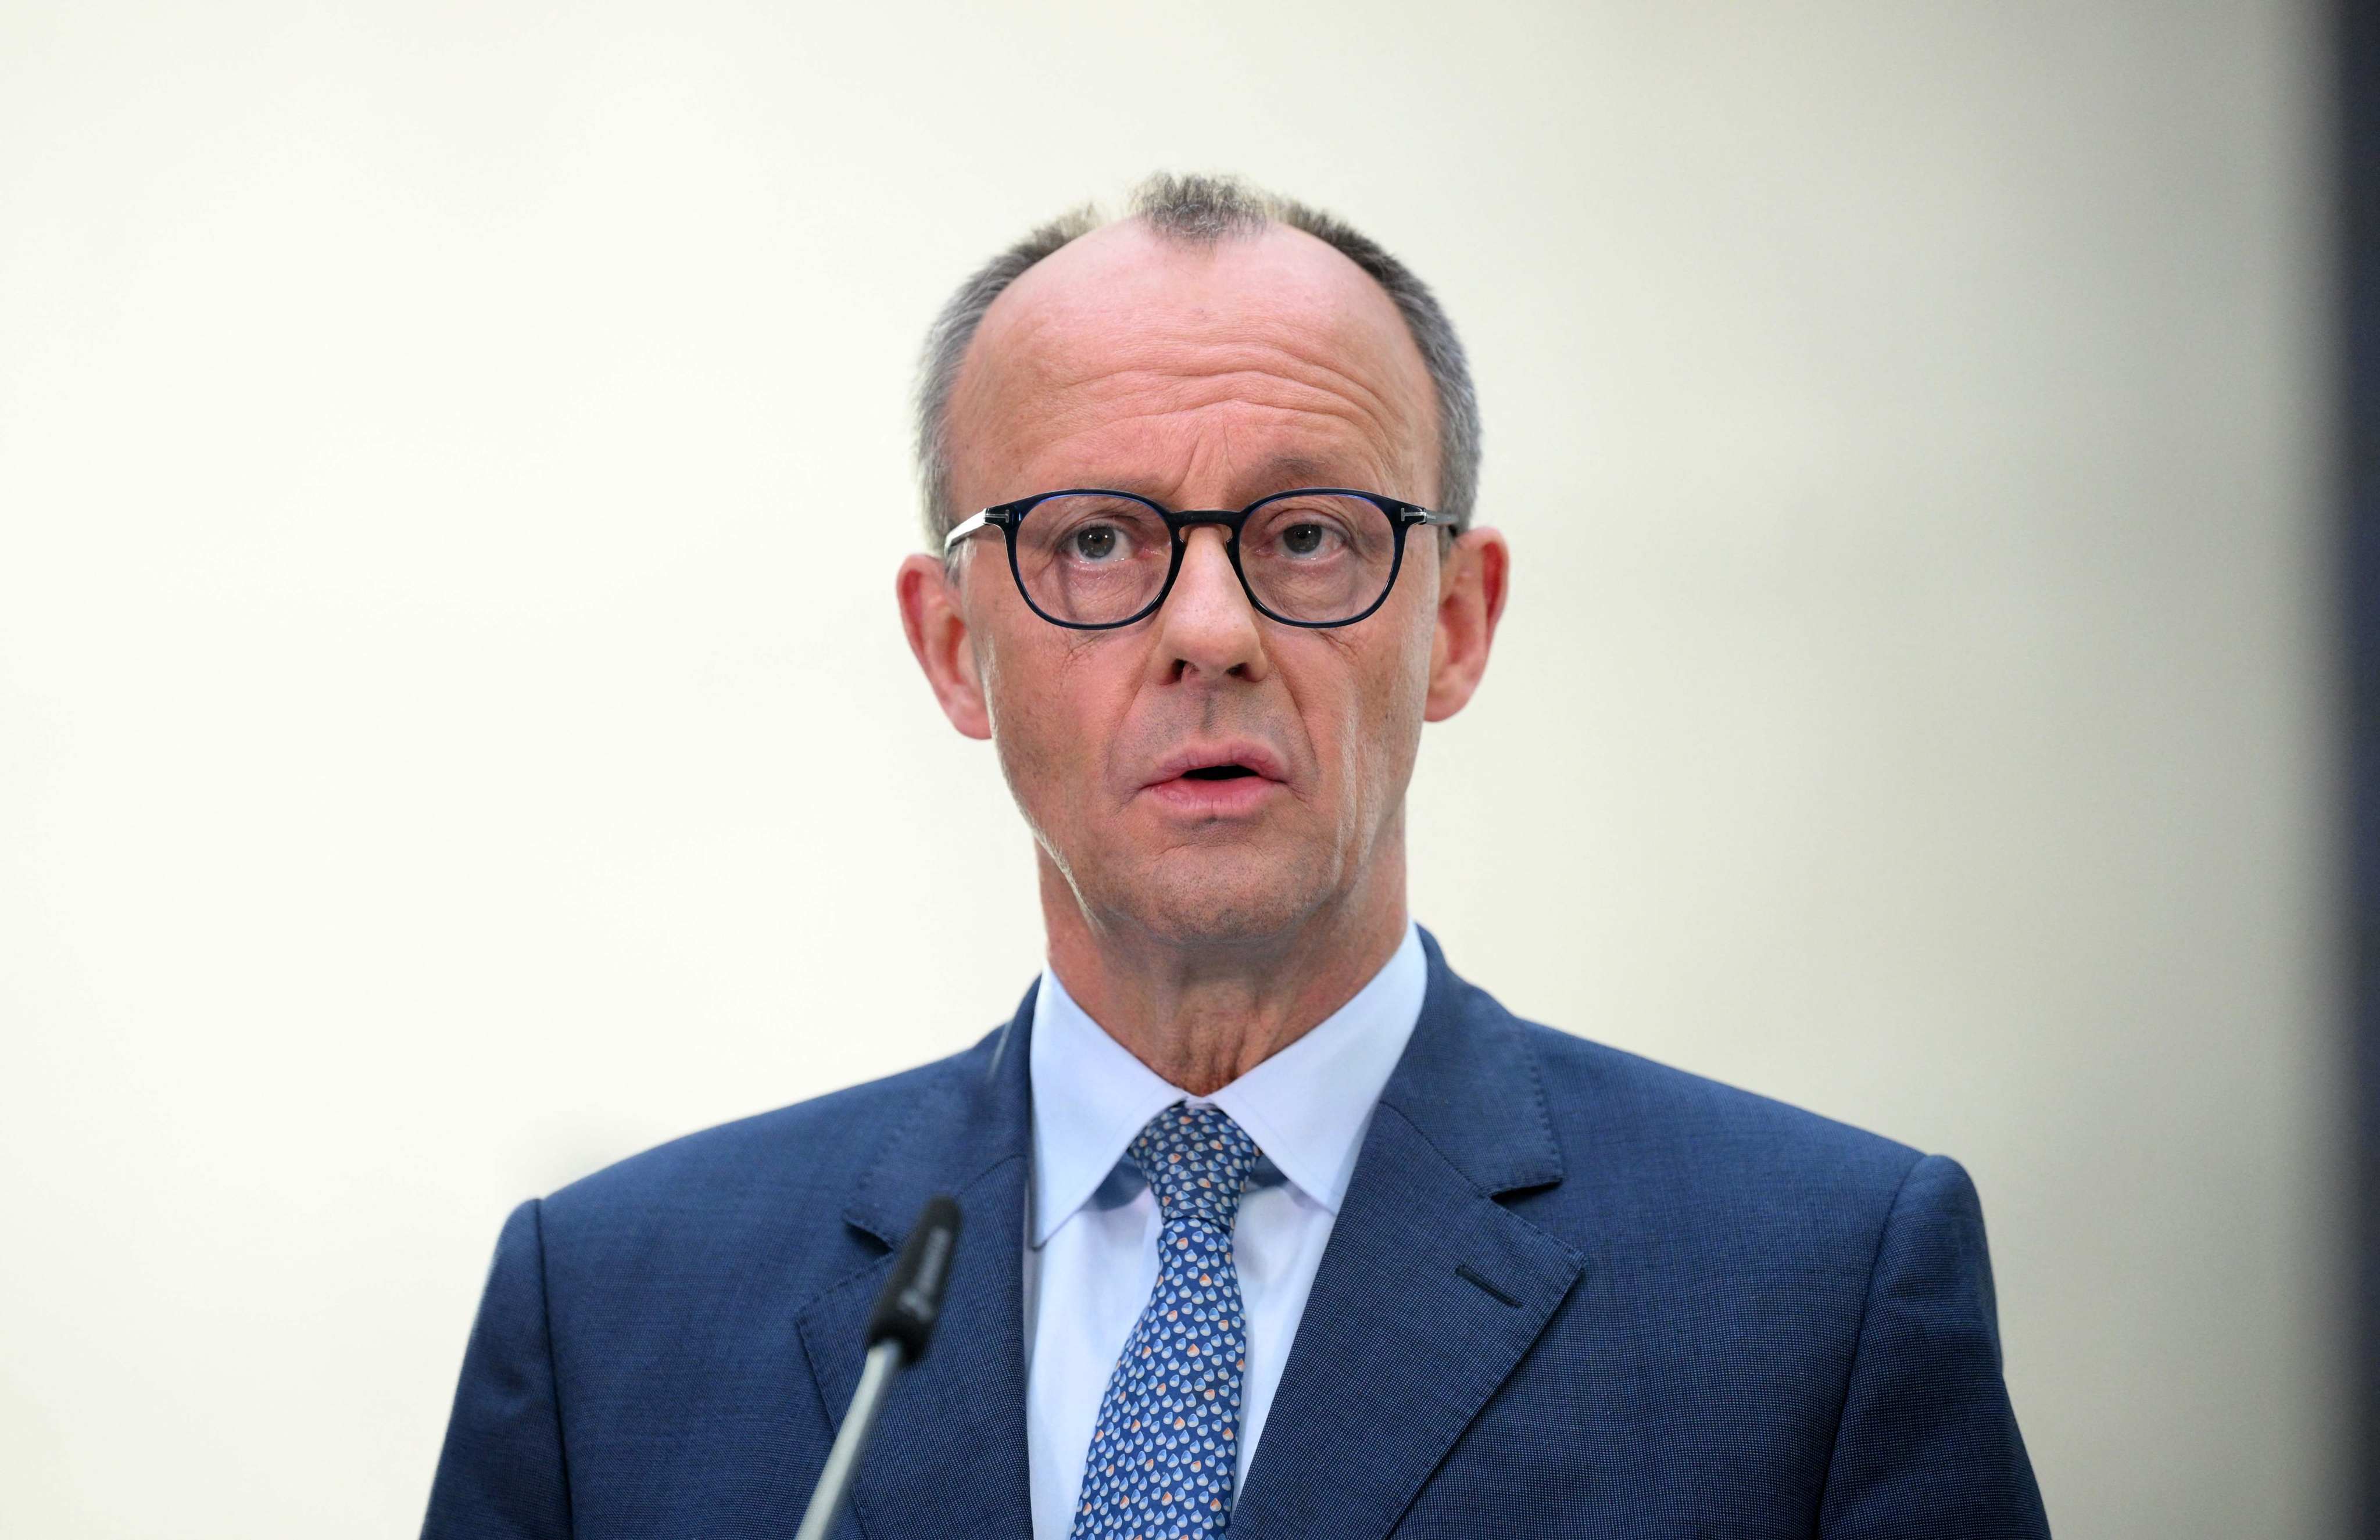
1091,1243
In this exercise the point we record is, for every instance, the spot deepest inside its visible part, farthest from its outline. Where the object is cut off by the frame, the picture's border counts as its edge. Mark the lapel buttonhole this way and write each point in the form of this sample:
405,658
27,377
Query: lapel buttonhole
1463,1271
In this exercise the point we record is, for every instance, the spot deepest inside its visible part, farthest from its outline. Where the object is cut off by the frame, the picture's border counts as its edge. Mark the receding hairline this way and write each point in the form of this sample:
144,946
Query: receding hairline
1170,244
1090,311
1054,281
1193,212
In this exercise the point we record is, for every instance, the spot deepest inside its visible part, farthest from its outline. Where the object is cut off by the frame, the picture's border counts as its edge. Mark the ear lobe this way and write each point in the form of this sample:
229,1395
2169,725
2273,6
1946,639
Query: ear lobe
1471,595
931,619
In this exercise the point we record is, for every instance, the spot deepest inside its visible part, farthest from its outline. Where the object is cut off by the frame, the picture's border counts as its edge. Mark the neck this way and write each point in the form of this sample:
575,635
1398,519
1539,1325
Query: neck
1203,1012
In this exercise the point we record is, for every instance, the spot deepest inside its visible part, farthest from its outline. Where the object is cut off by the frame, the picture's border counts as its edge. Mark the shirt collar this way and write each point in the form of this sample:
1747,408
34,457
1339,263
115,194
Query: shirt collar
1306,1107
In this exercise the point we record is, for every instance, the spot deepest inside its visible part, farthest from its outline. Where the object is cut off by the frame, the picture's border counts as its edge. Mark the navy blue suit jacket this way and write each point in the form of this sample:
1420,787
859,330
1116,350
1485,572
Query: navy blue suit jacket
1569,1293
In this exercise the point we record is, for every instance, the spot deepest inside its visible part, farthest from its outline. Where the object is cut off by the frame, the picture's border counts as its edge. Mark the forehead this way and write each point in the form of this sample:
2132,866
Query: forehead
1124,358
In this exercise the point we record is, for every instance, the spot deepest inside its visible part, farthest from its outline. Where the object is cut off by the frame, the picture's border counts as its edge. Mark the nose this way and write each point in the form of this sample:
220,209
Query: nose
1207,628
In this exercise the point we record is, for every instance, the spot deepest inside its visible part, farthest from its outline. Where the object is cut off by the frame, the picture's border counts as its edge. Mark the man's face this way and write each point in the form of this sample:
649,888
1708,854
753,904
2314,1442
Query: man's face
1206,774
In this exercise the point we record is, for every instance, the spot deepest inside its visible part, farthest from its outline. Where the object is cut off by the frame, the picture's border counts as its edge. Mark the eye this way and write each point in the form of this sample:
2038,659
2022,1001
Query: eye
1307,539
1098,543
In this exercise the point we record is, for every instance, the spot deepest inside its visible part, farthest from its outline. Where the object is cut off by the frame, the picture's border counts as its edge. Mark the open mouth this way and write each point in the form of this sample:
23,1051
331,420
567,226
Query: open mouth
1221,788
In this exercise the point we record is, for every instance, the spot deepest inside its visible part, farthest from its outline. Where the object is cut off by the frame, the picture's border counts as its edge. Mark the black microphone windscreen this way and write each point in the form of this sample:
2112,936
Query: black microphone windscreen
912,1300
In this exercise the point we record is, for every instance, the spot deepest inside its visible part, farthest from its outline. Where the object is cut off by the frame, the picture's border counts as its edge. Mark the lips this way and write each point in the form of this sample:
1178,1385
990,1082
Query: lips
1216,781
1226,761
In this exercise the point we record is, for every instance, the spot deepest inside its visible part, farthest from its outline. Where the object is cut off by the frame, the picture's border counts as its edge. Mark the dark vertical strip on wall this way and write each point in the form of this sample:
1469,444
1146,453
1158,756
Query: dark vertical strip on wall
2359,227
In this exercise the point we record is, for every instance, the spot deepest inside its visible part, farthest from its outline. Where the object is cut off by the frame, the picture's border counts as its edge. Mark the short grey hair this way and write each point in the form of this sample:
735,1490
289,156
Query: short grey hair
1201,210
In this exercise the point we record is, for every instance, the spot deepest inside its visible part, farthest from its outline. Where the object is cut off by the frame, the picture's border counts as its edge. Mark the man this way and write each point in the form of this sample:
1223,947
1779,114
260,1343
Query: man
1271,1219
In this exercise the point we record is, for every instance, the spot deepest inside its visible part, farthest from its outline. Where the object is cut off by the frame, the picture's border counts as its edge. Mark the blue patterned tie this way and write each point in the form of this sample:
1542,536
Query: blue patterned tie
1166,1448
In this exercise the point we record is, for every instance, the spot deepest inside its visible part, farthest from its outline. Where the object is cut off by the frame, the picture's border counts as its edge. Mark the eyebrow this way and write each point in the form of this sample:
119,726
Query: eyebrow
1289,471
1295,470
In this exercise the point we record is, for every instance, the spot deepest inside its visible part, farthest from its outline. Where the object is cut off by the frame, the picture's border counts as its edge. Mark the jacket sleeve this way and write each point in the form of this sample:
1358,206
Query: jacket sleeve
502,1475
1928,1443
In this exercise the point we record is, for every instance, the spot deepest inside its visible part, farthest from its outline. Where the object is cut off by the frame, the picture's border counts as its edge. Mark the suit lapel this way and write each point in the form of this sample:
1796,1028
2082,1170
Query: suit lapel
1429,1292
949,1452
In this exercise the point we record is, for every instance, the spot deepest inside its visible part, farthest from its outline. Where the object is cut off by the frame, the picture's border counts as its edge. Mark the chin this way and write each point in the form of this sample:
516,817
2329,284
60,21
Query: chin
1202,904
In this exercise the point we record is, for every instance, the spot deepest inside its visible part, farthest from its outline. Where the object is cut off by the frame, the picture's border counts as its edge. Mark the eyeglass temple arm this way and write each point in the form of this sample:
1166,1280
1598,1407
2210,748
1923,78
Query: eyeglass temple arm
982,518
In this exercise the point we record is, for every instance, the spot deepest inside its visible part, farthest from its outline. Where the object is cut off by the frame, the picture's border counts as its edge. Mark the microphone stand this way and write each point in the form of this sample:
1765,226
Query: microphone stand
898,1330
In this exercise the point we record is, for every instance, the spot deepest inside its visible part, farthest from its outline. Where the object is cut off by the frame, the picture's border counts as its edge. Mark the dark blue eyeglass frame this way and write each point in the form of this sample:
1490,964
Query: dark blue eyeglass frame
1006,516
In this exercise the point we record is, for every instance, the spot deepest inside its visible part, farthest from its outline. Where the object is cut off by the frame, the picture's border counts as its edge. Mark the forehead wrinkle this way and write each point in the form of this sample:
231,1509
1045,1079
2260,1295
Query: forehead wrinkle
1300,374
1106,398
1189,402
1258,391
1185,415
1313,367
1135,473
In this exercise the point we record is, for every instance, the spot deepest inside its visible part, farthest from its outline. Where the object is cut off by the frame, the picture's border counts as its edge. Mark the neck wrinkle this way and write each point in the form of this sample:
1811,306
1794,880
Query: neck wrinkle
1202,1016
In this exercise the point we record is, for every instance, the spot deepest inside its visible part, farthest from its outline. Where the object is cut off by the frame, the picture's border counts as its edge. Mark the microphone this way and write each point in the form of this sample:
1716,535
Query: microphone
898,1330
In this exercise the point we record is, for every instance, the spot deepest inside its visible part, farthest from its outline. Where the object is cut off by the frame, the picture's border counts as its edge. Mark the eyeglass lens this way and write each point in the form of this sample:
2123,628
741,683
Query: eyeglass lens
1097,560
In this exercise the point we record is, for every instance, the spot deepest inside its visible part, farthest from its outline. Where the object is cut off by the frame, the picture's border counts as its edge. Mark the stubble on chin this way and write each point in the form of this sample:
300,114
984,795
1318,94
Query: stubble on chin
1194,895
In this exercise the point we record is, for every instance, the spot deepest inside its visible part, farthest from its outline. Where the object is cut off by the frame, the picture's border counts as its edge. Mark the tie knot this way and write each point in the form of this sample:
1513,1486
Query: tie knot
1197,1161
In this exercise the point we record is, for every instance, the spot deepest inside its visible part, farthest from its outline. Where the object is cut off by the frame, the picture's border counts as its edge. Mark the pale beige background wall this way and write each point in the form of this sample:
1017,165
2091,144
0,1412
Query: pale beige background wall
454,730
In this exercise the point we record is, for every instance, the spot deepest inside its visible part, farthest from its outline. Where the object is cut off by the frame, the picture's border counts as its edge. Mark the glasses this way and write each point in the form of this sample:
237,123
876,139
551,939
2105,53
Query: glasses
1091,560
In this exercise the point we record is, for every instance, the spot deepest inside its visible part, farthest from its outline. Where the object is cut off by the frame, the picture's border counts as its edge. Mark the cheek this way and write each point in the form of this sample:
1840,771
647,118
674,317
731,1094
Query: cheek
1394,717
1402,692
1047,711
1377,727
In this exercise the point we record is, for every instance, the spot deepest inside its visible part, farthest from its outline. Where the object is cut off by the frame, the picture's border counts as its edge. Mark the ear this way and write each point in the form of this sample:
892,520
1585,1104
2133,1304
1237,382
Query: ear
937,629
1470,601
